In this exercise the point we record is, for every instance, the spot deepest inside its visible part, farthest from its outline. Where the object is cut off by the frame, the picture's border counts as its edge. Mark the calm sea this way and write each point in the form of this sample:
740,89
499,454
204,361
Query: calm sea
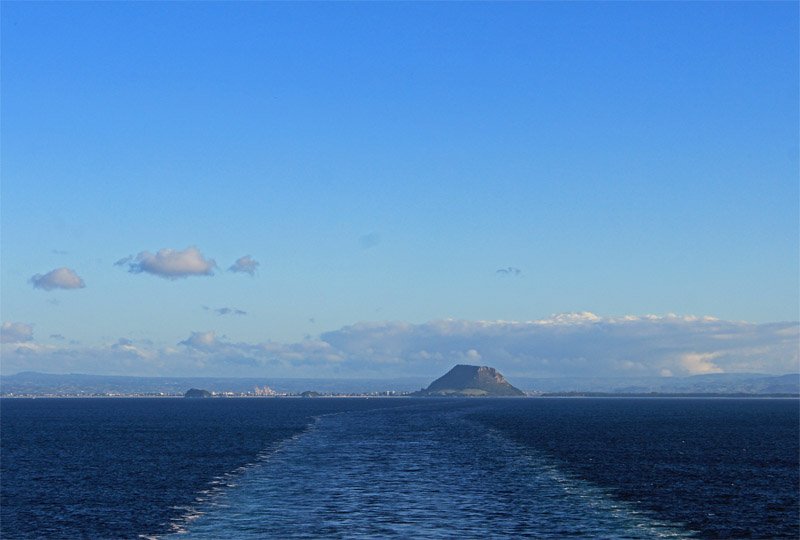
411,468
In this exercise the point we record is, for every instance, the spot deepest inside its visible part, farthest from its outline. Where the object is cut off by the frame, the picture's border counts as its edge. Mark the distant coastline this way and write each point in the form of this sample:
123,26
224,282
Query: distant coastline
550,395
42,385
666,395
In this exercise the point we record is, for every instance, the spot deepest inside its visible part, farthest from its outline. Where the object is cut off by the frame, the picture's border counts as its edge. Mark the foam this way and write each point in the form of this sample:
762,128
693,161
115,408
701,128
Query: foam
208,498
367,474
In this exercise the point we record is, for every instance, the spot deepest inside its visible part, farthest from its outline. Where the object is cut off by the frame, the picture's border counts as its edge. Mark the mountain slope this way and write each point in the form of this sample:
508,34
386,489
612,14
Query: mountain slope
464,380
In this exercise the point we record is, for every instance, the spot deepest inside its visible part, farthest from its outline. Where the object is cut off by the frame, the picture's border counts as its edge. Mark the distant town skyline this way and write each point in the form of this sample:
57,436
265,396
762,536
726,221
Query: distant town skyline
354,189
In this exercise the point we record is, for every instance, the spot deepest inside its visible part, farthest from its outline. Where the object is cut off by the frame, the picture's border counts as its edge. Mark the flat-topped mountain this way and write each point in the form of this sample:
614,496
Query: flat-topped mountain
465,380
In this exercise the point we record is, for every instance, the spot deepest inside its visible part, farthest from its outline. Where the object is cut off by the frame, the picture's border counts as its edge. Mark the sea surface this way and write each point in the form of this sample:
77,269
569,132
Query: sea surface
404,468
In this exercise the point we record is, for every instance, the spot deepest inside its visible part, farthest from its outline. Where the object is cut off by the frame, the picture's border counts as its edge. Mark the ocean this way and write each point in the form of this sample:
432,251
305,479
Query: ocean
402,467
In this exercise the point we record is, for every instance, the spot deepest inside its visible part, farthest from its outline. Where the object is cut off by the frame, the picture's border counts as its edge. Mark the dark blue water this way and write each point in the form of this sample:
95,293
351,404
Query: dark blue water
353,468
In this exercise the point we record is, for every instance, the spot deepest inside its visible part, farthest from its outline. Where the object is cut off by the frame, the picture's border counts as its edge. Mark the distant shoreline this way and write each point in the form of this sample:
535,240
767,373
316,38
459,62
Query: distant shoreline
551,395
666,395
62,385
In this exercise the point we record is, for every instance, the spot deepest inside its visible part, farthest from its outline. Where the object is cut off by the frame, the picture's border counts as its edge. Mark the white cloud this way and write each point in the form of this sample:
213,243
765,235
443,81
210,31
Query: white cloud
246,264
569,345
697,364
127,346
15,332
201,340
60,278
170,263
578,344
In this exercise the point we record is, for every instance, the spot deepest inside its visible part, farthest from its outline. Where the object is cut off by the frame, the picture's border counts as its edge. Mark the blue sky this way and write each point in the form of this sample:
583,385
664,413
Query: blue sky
382,163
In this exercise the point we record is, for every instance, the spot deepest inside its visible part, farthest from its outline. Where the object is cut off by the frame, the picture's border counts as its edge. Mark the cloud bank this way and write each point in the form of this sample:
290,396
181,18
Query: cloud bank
246,264
565,345
60,278
170,263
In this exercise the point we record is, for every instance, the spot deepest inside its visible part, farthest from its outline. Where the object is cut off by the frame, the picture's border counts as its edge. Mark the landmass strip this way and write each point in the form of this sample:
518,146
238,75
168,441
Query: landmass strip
31,384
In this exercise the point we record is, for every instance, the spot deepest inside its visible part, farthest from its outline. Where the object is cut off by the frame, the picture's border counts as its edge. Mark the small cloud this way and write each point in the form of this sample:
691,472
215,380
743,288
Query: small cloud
15,332
246,264
170,263
128,348
60,278
699,363
509,271
369,240
201,340
229,311
59,337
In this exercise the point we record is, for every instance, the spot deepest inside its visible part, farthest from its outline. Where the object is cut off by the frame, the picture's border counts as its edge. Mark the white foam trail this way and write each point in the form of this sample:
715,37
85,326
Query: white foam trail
392,473
590,495
207,498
